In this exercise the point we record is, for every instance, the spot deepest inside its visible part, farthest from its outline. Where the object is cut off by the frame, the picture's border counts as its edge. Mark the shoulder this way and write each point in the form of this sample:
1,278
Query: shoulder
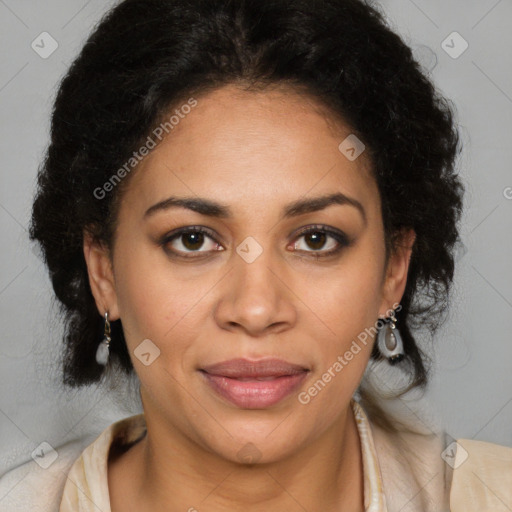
88,477
482,476
414,475
38,486
432,472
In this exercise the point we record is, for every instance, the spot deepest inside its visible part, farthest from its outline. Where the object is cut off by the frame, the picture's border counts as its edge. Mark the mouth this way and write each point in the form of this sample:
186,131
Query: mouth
254,384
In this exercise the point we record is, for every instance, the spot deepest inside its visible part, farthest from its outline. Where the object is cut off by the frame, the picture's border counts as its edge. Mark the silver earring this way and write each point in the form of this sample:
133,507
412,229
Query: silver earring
389,341
102,352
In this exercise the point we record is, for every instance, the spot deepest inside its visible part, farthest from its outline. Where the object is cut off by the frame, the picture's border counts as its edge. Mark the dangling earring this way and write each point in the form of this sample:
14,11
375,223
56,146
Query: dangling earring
102,352
390,342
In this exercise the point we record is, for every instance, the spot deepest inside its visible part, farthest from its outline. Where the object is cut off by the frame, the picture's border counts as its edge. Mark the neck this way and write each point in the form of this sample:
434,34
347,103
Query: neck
169,468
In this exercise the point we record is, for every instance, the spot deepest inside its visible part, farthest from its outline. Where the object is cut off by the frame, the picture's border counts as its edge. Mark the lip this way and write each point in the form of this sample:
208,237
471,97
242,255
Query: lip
254,384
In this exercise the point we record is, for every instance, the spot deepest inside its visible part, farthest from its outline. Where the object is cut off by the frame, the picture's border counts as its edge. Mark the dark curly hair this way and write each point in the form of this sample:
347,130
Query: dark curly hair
147,56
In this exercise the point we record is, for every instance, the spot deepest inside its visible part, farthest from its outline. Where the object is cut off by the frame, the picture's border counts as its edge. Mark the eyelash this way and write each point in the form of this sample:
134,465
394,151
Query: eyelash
339,236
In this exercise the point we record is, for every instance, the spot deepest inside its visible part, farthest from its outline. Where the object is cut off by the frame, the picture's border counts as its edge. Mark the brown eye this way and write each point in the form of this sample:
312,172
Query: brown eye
321,241
190,240
316,239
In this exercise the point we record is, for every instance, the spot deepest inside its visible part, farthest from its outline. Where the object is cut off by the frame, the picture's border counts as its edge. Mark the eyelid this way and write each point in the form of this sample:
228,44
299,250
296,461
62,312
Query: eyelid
341,238
176,233
321,227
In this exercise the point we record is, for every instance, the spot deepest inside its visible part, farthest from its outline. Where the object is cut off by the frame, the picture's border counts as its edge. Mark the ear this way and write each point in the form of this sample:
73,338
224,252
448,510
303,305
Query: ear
396,272
101,276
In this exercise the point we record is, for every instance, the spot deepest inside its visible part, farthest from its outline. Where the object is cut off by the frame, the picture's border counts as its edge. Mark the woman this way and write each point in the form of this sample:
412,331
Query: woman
247,204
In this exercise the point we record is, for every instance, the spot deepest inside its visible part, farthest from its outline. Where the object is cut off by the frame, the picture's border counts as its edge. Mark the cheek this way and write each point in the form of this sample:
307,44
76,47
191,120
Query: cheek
151,298
348,299
161,302
348,306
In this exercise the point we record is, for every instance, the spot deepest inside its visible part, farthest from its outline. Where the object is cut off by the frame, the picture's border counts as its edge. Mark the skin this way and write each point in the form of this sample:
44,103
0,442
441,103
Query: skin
256,153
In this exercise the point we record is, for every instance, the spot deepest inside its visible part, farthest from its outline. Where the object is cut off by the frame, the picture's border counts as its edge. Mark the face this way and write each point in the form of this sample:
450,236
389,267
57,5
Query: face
267,268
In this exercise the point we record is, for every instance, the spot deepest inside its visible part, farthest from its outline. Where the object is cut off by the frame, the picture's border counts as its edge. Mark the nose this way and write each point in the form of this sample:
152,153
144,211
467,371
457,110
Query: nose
257,297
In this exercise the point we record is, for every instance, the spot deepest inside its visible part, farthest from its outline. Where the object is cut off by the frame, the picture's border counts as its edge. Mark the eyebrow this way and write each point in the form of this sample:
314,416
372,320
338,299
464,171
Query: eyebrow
214,209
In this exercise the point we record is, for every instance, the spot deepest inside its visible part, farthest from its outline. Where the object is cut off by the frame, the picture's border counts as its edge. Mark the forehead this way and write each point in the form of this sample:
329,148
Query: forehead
260,147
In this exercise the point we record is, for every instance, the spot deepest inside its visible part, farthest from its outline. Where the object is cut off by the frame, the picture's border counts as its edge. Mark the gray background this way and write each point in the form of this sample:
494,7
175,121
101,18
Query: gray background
471,388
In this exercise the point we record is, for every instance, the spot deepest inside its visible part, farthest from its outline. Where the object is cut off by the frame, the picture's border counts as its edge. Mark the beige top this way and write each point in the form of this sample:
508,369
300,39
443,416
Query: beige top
86,489
403,472
482,478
